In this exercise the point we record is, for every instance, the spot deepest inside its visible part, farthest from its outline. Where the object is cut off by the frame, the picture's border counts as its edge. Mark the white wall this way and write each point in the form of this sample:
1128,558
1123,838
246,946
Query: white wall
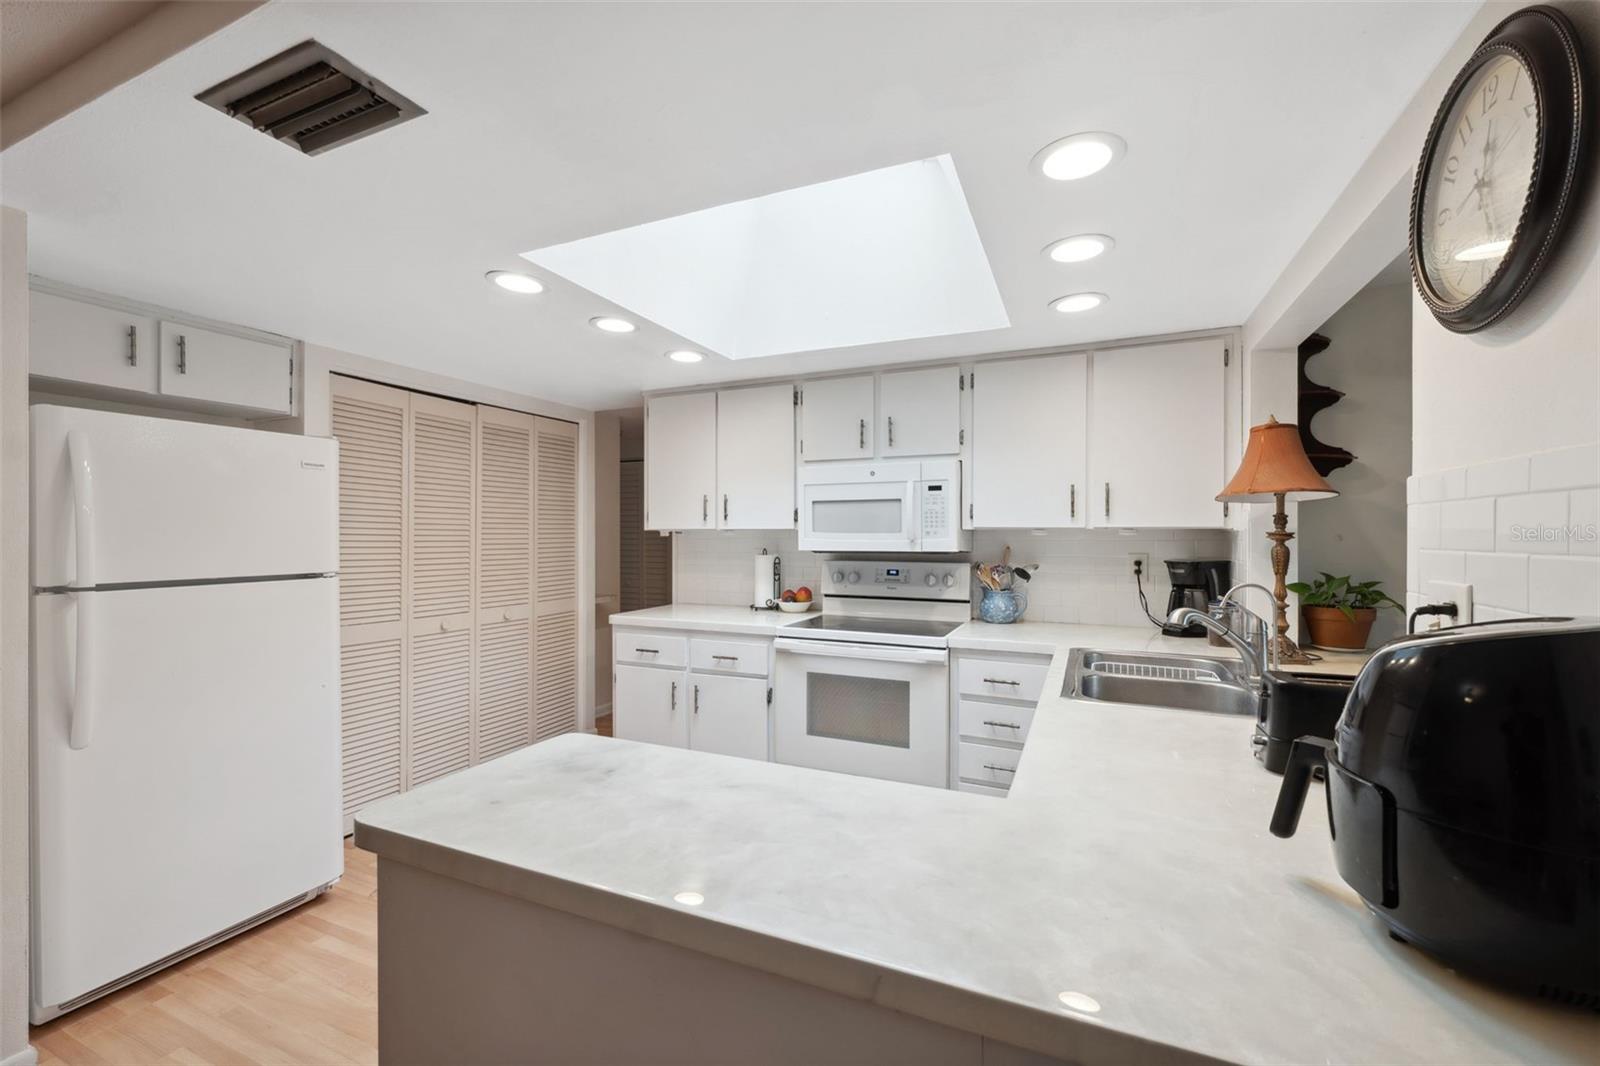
1507,432
607,547
14,820
1362,531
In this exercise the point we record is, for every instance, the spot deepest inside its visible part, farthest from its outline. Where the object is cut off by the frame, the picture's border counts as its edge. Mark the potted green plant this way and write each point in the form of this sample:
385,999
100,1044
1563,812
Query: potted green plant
1339,612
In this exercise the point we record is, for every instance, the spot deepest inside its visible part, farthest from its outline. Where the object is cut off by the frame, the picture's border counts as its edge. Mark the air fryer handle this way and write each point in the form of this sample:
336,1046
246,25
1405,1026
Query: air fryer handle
1305,755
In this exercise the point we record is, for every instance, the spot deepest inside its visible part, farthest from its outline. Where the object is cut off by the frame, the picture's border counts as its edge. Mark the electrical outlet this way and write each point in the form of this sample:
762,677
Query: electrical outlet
1139,565
1447,592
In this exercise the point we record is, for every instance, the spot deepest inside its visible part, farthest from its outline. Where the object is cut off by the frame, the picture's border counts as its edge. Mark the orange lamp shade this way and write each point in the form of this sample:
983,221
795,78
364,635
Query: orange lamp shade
1275,462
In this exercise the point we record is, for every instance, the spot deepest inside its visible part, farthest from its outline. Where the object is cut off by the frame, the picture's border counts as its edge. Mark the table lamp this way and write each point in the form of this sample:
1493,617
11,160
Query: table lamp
1275,467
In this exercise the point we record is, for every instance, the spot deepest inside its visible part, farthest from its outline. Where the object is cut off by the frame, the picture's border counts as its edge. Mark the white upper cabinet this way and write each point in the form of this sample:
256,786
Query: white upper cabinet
202,364
1156,435
920,411
1030,466
836,418
90,344
680,447
755,458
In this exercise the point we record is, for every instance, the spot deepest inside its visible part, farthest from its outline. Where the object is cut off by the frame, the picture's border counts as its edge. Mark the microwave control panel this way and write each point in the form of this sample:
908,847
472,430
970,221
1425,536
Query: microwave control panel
936,515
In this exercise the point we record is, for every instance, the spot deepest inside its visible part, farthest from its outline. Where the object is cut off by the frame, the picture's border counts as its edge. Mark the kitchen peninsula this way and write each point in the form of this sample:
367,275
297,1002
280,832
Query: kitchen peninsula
593,900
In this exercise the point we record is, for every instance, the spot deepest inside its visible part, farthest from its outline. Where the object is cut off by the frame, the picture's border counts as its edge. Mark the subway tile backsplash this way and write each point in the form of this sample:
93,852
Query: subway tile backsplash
1524,532
1085,575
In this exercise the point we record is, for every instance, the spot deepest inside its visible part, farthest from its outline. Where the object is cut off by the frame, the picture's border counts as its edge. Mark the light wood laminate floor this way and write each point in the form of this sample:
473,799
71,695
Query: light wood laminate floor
302,989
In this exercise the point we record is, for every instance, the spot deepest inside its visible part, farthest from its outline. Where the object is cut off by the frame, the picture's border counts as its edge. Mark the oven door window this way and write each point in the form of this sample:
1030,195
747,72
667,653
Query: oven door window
866,710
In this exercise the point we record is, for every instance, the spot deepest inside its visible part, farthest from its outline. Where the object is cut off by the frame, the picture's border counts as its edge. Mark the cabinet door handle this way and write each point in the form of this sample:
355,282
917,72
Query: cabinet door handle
1072,496
861,434
1108,499
724,506
705,507
133,345
697,699
1000,681
891,431
674,697
1003,725
183,354
1000,769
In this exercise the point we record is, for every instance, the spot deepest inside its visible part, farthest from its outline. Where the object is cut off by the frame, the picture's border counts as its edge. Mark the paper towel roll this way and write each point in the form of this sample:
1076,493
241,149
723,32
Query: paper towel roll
768,580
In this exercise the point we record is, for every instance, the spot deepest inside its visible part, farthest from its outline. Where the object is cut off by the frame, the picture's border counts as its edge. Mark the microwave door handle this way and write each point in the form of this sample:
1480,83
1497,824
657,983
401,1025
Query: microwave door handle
877,652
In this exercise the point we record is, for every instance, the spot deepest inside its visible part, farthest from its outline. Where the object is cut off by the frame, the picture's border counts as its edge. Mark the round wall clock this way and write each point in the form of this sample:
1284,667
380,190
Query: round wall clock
1495,184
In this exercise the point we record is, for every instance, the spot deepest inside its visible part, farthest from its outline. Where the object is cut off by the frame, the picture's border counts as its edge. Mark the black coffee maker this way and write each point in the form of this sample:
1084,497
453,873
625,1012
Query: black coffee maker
1195,583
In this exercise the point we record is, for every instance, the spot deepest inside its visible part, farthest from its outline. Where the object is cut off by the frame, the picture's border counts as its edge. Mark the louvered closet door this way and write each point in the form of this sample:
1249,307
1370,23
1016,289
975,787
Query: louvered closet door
441,570
555,639
370,424
504,720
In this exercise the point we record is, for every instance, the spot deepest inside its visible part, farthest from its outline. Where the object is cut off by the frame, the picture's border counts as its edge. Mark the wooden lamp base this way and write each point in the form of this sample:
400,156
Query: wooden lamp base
1287,650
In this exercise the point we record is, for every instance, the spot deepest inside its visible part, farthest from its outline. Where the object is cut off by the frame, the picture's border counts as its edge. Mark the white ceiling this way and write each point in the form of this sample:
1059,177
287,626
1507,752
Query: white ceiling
552,122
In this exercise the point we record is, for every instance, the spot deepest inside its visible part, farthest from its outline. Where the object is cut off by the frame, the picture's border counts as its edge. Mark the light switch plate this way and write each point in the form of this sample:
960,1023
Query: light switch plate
1447,592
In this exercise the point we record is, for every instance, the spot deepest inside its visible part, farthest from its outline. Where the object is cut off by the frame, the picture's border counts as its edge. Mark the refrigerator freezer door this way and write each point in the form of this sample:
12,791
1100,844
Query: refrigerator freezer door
208,791
161,500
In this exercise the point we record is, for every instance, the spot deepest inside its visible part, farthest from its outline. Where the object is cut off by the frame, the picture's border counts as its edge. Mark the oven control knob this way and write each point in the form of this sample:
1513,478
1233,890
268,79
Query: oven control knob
855,575
949,581
838,577
931,580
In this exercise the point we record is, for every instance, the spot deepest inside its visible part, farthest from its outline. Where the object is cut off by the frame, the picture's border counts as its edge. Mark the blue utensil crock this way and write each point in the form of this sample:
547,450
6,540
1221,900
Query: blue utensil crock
1002,605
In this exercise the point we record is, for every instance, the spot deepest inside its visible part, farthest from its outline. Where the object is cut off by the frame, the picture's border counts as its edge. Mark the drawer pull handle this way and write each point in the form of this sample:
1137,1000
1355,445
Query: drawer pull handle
861,434
133,346
726,658
1000,681
674,705
648,651
1003,725
697,699
1072,493
1000,769
183,354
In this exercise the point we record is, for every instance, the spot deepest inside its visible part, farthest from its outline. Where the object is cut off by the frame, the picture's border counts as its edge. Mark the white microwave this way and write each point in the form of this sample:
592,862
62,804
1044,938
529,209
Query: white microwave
882,507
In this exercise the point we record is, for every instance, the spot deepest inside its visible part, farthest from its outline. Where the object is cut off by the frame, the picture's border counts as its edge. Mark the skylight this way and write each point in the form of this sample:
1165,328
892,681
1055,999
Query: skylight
888,255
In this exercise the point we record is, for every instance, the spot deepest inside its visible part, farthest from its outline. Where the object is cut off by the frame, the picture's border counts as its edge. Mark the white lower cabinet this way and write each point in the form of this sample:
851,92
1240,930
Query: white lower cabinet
703,691
728,715
648,705
995,697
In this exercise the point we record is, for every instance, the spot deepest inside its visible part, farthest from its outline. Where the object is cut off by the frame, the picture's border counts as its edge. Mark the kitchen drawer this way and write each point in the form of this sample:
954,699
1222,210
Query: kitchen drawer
985,764
650,648
748,657
994,721
981,790
1001,677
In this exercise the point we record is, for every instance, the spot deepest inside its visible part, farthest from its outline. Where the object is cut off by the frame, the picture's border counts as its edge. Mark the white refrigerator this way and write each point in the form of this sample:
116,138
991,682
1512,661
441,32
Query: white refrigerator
185,690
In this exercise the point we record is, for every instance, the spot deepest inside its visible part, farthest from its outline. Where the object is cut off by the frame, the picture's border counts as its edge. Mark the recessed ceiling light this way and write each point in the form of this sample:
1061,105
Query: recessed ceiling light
684,355
689,899
1079,155
511,281
1080,248
609,324
1079,1002
1079,301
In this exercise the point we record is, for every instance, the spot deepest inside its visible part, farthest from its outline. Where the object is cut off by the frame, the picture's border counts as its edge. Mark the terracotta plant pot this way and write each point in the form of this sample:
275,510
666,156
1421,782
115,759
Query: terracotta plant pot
1327,627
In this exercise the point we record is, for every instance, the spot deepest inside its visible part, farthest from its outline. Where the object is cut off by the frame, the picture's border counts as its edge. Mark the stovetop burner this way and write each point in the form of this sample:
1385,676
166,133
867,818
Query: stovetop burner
843,624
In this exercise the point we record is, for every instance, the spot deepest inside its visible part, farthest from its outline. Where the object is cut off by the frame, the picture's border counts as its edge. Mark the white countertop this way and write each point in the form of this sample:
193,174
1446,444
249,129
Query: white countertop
708,618
1131,863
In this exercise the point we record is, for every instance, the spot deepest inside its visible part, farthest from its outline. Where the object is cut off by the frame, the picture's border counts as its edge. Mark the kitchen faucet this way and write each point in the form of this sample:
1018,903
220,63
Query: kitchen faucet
1266,647
1251,651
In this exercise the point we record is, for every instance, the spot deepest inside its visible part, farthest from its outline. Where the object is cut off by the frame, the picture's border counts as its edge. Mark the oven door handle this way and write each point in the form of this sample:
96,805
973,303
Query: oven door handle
877,652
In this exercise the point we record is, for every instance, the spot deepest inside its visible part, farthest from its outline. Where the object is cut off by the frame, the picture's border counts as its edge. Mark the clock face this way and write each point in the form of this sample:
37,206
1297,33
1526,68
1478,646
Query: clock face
1478,178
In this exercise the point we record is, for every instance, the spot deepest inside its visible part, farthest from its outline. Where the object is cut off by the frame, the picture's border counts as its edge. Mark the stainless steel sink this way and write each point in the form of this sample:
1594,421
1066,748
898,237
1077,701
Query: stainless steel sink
1190,683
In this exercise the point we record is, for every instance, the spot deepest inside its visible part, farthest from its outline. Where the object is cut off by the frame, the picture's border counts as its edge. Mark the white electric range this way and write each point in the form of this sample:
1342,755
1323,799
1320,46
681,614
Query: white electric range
863,688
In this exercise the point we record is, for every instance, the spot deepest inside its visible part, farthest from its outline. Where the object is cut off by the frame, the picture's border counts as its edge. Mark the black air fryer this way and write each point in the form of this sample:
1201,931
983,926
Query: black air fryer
1463,791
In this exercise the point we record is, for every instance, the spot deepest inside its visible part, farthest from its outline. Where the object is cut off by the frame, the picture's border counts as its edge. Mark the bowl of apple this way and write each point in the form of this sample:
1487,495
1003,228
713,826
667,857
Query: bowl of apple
795,601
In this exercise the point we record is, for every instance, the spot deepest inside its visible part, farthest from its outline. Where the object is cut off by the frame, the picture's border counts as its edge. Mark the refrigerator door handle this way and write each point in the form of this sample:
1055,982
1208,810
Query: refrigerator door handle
82,505
81,720
83,533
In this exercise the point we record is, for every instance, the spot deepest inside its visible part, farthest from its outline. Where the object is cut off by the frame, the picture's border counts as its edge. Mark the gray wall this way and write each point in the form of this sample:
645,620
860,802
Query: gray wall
1362,531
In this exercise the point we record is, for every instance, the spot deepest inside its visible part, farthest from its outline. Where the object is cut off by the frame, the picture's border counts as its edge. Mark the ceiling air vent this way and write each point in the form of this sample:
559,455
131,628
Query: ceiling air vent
310,98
